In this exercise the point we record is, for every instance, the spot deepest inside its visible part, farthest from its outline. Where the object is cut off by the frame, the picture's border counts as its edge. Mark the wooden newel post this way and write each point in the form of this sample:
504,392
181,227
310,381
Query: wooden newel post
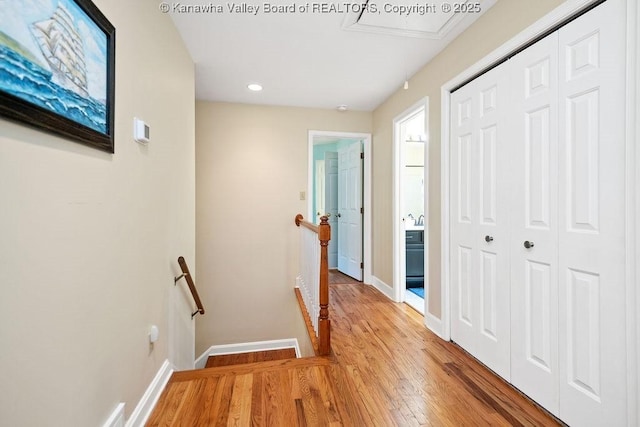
324,324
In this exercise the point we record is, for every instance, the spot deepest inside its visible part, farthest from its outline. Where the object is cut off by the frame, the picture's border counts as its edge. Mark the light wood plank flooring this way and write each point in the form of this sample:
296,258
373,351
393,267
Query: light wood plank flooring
338,277
250,357
386,370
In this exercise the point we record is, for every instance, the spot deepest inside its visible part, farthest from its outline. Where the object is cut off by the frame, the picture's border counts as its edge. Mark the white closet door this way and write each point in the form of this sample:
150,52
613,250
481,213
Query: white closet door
463,219
591,208
463,170
534,219
538,163
479,250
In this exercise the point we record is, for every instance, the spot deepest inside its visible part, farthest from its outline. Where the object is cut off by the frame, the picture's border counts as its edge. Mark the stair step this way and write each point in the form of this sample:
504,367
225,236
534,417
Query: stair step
272,365
250,357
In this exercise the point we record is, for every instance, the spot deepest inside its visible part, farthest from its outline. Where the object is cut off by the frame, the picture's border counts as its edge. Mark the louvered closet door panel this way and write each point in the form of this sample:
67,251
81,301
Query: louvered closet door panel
533,218
591,242
480,293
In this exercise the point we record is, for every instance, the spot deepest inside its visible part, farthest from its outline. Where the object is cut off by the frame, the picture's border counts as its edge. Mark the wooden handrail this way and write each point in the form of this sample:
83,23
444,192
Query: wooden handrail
192,287
323,230
300,221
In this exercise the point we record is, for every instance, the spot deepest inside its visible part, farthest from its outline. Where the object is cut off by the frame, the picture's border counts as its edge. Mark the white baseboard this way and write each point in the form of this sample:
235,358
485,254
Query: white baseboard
434,324
382,287
116,419
150,397
430,321
247,347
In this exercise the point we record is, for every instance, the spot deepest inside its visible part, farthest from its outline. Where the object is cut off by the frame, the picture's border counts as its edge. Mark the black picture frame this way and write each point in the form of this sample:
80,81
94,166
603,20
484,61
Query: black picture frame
54,99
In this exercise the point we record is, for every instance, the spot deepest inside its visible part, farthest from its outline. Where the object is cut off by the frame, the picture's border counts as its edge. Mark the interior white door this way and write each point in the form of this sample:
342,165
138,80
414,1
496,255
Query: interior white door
331,203
354,210
561,170
343,185
463,170
591,211
479,233
533,171
320,190
350,210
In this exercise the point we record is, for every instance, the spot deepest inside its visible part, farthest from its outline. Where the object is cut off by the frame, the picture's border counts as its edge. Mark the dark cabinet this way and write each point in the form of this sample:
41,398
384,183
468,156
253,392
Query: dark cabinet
415,258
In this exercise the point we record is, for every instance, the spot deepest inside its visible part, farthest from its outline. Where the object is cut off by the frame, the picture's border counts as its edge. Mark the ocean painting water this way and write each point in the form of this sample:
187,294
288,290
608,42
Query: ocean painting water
28,81
54,56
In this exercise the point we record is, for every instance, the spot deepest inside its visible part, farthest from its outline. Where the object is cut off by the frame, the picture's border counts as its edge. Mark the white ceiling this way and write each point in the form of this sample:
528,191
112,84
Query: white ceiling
322,58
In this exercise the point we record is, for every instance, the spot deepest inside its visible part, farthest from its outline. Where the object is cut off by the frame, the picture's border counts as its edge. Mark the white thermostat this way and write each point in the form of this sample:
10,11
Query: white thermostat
140,131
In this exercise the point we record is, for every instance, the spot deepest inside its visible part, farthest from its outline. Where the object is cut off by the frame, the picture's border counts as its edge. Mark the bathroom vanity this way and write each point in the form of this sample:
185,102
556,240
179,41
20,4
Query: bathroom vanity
415,257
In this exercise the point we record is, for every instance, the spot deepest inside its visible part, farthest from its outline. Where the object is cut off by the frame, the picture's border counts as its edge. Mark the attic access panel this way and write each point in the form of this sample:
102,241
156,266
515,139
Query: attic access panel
406,18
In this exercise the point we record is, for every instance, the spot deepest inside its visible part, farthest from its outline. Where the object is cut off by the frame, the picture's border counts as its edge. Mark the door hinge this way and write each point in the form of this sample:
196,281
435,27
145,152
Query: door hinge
361,210
362,155
361,265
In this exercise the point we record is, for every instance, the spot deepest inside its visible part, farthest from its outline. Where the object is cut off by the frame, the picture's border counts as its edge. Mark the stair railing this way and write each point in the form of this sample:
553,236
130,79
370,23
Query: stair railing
192,286
312,283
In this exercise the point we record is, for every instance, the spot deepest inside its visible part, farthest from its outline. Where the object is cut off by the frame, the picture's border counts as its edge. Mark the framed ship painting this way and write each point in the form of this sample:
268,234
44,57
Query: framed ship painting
57,66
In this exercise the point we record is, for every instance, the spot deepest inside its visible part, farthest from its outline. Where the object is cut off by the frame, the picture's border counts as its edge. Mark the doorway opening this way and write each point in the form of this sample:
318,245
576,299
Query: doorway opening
339,185
410,239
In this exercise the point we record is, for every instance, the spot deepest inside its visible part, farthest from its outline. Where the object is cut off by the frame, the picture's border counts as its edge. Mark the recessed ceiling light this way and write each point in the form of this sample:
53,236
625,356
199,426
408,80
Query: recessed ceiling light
341,108
254,87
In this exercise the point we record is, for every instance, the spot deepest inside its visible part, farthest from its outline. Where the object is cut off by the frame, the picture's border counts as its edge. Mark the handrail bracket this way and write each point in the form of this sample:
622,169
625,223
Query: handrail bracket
175,279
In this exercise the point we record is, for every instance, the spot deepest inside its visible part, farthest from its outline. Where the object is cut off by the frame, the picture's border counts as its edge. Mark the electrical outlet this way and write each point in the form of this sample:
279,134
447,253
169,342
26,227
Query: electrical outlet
303,195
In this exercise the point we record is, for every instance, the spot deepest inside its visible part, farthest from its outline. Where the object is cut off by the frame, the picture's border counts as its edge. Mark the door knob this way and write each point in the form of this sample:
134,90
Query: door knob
528,244
328,214
488,239
339,216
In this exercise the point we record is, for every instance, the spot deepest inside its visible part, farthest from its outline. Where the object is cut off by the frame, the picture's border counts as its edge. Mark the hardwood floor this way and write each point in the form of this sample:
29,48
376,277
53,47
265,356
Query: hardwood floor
251,357
386,370
337,278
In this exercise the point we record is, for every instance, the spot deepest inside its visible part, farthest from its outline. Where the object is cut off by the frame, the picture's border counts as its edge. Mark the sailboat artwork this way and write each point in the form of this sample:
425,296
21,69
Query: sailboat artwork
54,56
62,47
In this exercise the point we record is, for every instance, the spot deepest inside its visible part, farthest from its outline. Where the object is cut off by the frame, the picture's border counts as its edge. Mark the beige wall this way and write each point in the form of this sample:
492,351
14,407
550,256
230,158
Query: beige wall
89,240
500,23
251,164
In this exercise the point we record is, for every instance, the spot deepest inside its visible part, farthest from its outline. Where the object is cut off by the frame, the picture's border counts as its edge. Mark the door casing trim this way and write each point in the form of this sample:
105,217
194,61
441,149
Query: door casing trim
366,191
398,232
